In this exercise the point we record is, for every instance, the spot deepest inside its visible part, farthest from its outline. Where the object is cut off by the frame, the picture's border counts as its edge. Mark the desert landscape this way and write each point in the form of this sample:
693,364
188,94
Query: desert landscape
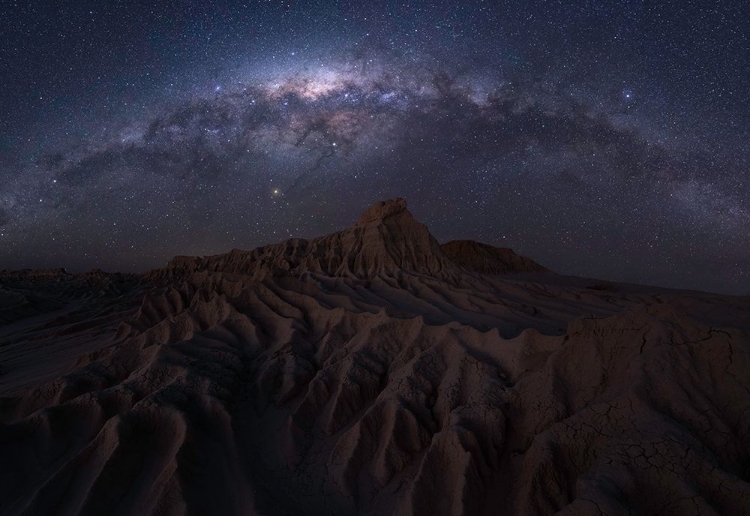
369,371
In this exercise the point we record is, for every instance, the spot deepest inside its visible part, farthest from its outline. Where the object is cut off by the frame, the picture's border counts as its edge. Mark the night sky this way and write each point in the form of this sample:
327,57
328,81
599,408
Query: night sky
608,139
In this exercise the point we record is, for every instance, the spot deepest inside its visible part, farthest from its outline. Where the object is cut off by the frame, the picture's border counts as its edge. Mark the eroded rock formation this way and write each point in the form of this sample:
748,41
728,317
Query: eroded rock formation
371,371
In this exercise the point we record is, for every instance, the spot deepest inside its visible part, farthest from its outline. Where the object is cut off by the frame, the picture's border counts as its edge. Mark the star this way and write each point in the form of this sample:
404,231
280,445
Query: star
552,148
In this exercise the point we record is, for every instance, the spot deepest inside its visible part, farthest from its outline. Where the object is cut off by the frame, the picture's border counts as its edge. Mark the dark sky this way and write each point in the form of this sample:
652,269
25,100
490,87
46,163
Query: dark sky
607,139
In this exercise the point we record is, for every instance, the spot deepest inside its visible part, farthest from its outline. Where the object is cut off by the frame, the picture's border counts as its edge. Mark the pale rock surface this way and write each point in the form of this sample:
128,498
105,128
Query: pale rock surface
370,371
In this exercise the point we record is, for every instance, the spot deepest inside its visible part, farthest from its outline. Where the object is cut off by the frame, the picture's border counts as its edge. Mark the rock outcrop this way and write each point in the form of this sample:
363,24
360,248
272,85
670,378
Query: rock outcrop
487,259
370,371
386,239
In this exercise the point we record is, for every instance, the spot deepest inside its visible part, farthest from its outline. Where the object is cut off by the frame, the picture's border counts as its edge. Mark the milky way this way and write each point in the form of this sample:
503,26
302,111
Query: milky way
607,141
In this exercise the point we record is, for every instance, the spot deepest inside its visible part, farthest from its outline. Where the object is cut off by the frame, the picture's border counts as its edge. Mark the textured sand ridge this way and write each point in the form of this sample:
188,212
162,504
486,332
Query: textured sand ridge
370,371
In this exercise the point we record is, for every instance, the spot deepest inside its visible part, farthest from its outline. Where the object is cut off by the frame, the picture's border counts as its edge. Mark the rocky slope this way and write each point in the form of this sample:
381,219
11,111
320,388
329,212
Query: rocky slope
487,259
371,371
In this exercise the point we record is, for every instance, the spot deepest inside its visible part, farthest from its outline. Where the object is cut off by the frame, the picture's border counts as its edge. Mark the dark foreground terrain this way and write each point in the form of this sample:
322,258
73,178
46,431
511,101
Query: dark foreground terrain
371,371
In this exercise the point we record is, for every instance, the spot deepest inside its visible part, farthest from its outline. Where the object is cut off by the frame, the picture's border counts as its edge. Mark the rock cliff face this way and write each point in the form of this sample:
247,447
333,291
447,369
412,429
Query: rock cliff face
370,371
487,259
385,240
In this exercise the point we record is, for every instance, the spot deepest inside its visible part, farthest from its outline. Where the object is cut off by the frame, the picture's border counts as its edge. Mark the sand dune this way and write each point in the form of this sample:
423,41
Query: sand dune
370,371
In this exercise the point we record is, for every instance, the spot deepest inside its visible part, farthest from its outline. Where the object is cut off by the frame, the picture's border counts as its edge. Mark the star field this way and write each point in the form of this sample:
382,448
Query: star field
603,139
